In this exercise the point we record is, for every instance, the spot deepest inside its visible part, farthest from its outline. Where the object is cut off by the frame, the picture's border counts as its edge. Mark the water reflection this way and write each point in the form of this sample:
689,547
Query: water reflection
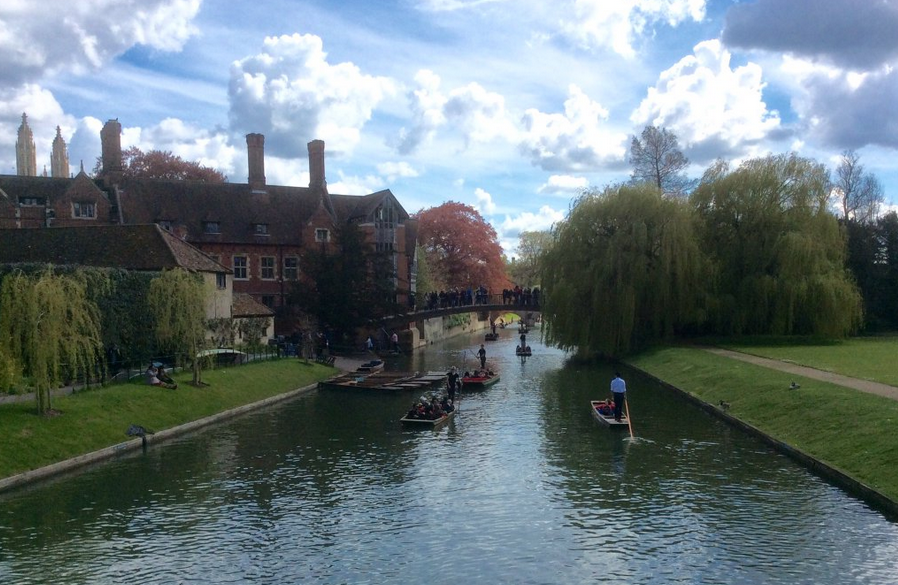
522,486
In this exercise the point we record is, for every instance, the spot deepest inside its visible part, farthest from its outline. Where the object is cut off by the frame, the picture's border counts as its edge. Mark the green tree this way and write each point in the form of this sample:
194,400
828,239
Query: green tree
778,254
177,301
346,285
50,330
524,269
623,270
428,280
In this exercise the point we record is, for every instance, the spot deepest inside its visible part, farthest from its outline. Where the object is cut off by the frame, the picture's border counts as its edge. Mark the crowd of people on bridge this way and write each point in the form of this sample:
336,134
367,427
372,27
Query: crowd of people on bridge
470,296
521,296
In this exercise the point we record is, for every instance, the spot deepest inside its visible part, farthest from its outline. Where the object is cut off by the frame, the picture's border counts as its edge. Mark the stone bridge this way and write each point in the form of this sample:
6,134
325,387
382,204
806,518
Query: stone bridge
411,325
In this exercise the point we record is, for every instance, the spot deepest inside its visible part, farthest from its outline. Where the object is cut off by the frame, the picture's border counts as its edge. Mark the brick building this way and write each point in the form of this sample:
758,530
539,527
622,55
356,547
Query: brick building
258,231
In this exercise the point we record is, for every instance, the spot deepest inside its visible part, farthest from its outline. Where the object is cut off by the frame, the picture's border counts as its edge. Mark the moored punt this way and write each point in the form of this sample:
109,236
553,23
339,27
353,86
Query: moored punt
384,381
603,411
427,422
477,382
371,367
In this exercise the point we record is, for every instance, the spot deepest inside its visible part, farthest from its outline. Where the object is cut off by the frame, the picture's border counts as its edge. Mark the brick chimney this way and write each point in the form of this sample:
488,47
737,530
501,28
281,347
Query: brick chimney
316,165
255,151
111,143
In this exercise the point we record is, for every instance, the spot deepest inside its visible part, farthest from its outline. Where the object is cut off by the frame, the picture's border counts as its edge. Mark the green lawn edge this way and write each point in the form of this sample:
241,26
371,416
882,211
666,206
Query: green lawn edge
98,417
851,431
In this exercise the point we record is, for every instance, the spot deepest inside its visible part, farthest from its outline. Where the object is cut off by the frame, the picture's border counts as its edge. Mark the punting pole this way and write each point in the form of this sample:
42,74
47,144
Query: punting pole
629,423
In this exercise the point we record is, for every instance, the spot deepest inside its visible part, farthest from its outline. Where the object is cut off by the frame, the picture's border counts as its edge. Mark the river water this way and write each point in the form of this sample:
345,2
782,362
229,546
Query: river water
523,486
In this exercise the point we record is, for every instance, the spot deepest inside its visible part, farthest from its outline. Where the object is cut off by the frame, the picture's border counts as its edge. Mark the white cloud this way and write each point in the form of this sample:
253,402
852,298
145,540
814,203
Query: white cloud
844,109
86,35
354,185
710,107
615,24
564,185
452,5
575,140
291,94
472,111
531,222
485,203
395,170
510,229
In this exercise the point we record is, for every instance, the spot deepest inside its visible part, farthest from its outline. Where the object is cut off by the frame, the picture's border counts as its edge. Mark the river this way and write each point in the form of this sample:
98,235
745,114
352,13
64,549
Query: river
522,487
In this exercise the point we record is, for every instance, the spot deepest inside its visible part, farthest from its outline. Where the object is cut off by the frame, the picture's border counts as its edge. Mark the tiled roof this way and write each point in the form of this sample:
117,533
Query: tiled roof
245,305
234,206
134,247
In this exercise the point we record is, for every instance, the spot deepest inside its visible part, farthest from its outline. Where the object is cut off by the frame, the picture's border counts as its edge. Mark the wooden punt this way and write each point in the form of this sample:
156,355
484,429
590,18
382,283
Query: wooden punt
478,382
371,366
383,380
425,422
607,419
523,352
491,337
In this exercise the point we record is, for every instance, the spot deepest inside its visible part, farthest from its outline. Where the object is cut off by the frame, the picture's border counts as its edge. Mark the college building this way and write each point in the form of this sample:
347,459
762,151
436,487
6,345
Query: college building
256,231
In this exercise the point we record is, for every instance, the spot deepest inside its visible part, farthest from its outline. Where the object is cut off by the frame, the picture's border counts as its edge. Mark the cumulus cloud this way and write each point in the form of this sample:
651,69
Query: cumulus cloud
291,94
616,25
396,170
714,110
573,141
842,109
476,114
86,35
852,34
355,185
484,202
563,185
509,230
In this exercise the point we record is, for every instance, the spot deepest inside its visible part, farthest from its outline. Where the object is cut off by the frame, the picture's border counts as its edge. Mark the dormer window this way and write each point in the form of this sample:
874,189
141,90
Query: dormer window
84,210
31,201
211,227
322,235
261,229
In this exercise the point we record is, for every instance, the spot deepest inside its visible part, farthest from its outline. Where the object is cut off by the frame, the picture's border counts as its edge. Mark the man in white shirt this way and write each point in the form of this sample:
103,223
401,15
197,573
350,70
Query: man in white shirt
619,393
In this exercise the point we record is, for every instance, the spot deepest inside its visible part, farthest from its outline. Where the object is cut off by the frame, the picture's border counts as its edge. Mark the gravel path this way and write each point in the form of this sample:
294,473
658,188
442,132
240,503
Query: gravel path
848,382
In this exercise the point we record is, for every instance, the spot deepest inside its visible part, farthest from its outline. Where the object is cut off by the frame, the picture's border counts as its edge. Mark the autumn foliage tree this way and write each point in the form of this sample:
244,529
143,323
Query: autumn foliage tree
162,164
461,247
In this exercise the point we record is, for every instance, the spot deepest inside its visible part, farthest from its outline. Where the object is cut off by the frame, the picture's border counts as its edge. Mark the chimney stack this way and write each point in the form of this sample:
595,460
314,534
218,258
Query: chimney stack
316,165
111,146
255,150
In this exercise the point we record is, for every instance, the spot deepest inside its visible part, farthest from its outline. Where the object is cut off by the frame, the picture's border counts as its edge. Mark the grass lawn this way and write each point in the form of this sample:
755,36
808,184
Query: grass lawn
98,417
867,358
849,430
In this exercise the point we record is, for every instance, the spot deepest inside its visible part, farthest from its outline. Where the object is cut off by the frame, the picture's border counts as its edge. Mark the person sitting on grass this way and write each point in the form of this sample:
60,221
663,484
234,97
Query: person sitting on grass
157,377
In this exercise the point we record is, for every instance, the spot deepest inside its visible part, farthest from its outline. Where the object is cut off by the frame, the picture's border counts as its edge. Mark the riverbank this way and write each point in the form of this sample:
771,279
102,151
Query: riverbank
842,433
92,423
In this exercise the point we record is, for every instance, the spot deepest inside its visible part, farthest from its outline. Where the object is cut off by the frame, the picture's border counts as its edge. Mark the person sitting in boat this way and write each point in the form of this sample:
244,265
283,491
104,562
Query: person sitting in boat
446,404
467,374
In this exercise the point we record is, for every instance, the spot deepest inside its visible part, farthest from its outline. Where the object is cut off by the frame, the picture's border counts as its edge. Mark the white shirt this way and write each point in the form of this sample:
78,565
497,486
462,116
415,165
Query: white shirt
618,385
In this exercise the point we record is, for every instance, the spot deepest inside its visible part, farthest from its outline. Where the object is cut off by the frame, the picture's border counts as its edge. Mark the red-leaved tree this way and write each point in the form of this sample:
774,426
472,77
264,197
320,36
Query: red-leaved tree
462,249
162,164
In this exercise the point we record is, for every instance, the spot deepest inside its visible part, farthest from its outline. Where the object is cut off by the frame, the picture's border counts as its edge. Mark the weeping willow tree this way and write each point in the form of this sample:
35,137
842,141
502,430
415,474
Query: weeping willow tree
49,329
778,254
177,301
624,269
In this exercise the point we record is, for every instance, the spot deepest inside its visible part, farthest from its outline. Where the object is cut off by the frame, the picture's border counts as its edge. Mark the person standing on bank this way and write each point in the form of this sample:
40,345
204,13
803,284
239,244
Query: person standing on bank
619,393
482,354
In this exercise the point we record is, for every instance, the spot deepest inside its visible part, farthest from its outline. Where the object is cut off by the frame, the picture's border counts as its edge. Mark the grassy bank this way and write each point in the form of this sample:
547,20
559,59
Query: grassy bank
849,430
867,358
99,417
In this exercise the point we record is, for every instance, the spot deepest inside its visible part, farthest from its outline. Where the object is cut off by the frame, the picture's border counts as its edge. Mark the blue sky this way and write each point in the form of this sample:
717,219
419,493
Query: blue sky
512,106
